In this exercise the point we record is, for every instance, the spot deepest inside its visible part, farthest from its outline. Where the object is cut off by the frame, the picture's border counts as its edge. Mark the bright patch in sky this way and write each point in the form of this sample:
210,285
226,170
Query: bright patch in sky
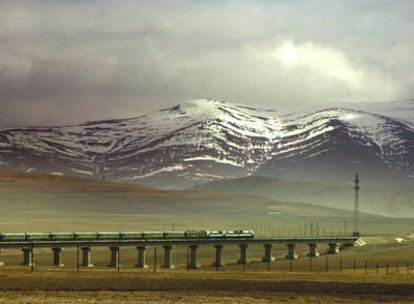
321,60
288,56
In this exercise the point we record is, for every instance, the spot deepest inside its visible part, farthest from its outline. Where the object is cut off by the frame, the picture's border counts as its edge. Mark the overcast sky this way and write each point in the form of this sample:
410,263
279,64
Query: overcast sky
69,61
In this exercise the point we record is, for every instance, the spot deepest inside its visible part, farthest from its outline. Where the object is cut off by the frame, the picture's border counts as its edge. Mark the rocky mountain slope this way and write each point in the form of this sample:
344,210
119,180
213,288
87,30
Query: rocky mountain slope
206,140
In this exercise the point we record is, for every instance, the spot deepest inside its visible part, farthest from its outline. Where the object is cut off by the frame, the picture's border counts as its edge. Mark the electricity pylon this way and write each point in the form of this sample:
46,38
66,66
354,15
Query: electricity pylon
355,219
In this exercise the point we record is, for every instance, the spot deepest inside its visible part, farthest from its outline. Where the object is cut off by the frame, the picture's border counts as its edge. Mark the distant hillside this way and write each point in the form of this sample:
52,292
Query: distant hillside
33,191
392,201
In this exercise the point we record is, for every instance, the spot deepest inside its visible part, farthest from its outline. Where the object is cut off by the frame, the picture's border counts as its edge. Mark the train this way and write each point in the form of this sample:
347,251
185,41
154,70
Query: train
131,235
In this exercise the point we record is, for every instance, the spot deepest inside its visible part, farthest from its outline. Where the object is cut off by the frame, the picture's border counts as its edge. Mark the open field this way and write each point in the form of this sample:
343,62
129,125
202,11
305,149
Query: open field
188,297
47,203
208,287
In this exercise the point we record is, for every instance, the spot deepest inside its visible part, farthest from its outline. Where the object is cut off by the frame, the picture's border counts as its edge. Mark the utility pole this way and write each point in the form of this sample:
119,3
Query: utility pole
355,219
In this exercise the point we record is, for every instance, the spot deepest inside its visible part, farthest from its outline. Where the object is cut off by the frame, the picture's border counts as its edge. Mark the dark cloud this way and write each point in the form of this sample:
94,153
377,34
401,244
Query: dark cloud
69,61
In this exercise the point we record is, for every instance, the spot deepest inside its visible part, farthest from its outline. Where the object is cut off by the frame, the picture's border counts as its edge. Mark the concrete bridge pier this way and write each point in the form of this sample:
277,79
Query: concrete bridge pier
243,254
219,262
193,257
333,248
268,257
114,257
86,257
291,255
168,258
141,257
313,250
57,256
27,256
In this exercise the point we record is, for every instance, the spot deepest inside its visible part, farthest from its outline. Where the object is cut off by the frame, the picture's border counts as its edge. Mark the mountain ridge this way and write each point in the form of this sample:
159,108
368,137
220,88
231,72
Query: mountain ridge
205,140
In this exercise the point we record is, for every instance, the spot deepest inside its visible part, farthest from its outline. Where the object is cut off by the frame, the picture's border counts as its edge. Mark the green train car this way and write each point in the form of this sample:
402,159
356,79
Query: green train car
174,234
13,237
196,234
108,235
37,236
61,236
85,236
131,235
153,235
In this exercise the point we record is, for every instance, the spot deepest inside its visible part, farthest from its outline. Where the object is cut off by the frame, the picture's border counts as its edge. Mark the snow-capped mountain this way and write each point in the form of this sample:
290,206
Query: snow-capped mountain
204,140
333,144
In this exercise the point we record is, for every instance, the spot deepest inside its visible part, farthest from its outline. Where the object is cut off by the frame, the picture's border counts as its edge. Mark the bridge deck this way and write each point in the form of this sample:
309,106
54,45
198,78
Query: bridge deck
162,242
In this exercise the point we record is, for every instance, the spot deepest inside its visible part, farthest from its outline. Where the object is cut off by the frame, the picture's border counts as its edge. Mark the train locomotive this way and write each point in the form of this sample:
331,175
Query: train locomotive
131,235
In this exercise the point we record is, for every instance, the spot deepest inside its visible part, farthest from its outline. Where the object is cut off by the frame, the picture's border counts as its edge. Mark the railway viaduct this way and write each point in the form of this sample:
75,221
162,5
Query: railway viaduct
27,247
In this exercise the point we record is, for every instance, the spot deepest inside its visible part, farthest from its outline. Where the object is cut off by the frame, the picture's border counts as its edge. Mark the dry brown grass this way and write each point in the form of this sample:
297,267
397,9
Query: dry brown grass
195,287
188,297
